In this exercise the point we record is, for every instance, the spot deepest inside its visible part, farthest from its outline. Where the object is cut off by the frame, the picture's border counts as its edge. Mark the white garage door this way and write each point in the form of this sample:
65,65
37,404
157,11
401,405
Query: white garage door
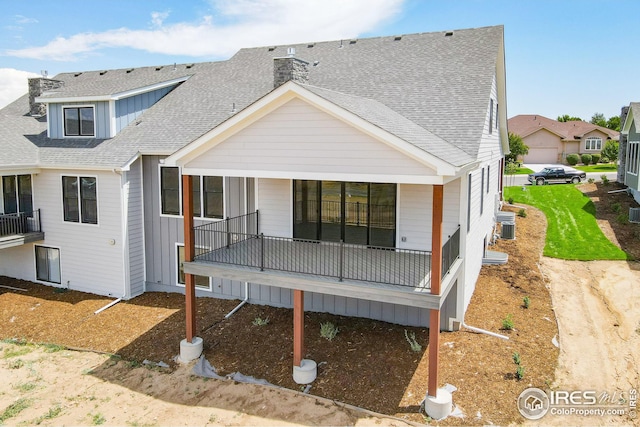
541,155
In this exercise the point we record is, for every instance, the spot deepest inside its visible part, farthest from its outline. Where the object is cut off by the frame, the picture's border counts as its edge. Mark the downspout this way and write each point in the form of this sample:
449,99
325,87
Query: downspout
243,302
484,331
112,303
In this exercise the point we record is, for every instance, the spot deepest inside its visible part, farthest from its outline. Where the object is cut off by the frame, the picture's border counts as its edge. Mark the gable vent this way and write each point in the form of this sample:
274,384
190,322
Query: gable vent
634,215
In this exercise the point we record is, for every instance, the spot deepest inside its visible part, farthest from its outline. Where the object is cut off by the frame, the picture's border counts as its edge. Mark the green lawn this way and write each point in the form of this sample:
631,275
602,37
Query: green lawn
523,171
572,231
610,167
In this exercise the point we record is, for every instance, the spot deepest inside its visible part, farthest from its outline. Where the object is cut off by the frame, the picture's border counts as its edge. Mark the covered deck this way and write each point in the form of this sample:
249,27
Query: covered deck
20,228
233,249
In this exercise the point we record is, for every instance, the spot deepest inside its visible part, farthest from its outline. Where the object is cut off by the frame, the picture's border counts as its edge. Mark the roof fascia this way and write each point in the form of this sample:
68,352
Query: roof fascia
501,82
20,169
279,97
115,96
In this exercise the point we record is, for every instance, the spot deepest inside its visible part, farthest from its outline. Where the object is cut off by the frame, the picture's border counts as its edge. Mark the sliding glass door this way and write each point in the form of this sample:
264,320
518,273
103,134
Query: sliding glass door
354,212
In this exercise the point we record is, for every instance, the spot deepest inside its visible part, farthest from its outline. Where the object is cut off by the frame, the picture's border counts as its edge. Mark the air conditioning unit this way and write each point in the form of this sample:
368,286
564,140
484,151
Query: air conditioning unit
634,215
508,230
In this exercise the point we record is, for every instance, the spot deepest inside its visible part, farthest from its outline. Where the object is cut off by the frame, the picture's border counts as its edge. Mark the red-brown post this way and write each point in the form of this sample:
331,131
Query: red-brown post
436,279
298,327
189,253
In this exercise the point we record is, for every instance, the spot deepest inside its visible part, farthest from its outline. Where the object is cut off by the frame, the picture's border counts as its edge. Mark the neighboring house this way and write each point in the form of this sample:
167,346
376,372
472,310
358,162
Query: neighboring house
365,173
629,165
550,141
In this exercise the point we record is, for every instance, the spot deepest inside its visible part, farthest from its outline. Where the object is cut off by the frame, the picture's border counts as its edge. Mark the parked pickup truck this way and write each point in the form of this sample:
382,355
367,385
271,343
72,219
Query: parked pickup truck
557,174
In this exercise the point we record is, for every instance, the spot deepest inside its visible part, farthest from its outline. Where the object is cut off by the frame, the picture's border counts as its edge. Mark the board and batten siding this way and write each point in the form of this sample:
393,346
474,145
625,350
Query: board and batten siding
55,119
299,138
129,109
91,256
133,197
162,233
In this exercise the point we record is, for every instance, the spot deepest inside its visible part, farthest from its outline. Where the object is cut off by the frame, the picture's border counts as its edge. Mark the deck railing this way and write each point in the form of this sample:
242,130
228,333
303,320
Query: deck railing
450,251
236,241
20,223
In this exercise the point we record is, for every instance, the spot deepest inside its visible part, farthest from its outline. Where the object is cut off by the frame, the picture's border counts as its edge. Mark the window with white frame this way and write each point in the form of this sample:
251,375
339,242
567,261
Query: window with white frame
48,264
202,282
633,160
593,143
16,194
79,121
208,194
80,199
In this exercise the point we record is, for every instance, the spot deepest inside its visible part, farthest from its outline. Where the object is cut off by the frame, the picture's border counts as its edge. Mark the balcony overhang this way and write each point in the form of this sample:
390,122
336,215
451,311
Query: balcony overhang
403,295
20,239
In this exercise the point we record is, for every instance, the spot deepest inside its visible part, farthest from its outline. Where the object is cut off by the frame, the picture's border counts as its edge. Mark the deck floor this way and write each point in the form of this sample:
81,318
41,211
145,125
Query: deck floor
351,262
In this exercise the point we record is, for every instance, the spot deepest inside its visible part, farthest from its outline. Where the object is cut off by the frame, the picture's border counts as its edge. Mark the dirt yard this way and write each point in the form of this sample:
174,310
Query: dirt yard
369,364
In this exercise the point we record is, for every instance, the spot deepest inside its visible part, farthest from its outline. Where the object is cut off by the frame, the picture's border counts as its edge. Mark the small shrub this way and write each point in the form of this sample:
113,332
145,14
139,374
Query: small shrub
605,180
595,158
585,158
413,343
16,364
526,302
516,358
622,218
591,180
98,419
604,160
510,200
520,372
259,321
14,409
507,323
573,159
616,207
328,330
522,213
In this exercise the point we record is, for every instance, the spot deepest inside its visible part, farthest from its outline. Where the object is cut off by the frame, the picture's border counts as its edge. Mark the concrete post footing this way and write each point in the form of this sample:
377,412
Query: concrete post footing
305,373
440,406
191,350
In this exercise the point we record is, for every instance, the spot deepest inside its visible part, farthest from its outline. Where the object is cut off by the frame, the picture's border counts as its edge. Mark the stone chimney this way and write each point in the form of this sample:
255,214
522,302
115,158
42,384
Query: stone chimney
37,86
622,146
289,68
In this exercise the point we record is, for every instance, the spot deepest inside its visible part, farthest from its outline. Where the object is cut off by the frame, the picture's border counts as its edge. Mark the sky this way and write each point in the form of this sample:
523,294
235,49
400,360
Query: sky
573,57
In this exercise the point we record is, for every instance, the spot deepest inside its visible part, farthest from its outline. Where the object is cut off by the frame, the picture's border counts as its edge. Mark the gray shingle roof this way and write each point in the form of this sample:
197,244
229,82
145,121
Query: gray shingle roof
426,88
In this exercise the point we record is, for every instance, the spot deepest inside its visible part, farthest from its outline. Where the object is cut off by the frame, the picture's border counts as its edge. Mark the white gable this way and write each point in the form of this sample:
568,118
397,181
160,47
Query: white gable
299,141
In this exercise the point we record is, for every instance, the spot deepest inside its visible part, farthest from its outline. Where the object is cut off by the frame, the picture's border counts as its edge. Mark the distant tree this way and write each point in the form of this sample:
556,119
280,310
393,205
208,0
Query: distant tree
517,148
610,150
598,119
568,118
614,123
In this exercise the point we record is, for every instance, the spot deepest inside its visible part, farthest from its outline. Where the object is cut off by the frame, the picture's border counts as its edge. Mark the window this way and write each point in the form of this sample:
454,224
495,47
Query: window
491,117
170,190
17,194
497,116
482,193
79,121
48,264
208,191
593,143
488,176
202,282
80,199
633,160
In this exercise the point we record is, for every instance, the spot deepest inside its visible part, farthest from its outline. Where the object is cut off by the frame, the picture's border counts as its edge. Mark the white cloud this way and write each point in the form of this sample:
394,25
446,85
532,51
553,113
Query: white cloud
24,20
14,84
242,23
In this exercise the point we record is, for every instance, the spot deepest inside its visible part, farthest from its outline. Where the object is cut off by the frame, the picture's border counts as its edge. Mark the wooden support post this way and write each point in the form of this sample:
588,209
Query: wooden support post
436,281
298,327
189,253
